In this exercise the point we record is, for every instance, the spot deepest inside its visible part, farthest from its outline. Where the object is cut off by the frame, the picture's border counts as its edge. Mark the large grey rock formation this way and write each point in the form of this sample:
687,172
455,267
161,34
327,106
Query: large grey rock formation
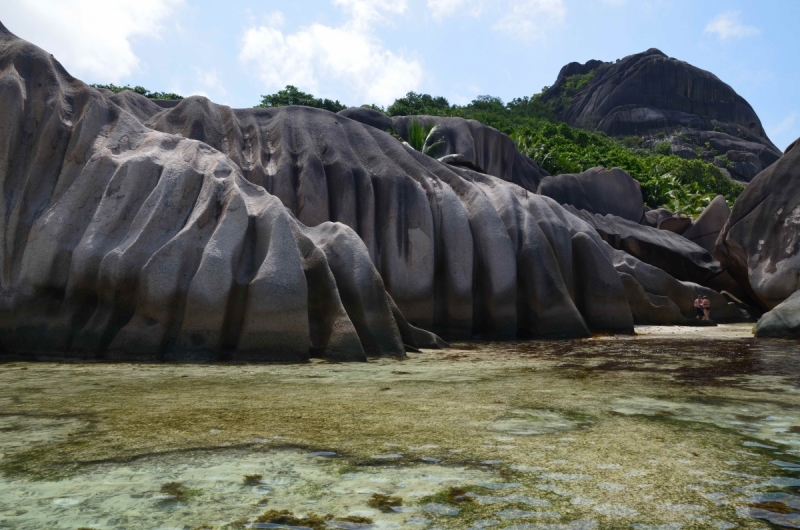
664,249
261,234
649,93
196,231
597,190
461,142
760,243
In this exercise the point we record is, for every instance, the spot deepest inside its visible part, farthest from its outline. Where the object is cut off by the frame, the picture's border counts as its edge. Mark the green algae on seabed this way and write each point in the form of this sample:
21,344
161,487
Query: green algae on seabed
654,431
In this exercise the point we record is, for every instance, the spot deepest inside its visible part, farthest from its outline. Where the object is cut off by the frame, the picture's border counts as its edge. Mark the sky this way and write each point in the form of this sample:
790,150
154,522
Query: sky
374,51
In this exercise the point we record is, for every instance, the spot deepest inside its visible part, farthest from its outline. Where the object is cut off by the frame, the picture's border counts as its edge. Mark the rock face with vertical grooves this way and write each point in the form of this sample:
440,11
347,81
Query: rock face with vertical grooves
461,142
197,231
760,242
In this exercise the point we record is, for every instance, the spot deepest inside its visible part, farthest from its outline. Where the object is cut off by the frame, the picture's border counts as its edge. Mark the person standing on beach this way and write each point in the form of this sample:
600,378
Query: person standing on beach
706,304
698,307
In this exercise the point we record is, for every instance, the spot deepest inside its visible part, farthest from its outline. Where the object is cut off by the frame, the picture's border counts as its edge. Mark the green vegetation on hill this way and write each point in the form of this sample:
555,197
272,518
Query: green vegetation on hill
667,180
292,96
139,90
572,85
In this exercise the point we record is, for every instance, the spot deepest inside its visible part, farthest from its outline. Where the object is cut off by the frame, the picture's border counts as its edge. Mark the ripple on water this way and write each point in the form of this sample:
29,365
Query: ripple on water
565,477
792,501
615,510
66,502
483,523
578,524
440,509
635,473
347,525
715,497
665,526
324,454
756,444
499,485
789,520
612,486
781,482
389,456
528,469
513,513
792,466
521,499
276,525
683,508
554,489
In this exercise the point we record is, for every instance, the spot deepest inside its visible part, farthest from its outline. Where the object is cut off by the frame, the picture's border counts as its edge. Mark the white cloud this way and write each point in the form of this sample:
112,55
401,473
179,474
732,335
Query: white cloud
211,80
363,13
440,9
521,19
350,54
528,19
89,37
727,26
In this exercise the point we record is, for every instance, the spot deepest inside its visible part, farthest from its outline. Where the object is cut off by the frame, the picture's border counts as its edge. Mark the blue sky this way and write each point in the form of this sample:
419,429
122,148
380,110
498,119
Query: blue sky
372,51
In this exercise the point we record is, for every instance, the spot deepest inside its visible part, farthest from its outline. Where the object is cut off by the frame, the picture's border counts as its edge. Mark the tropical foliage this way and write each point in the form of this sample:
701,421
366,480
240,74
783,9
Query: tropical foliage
418,136
291,95
139,90
667,180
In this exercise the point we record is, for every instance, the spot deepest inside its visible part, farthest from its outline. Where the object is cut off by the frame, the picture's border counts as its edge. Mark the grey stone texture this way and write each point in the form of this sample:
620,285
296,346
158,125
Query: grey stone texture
597,190
760,242
706,228
649,93
783,321
138,231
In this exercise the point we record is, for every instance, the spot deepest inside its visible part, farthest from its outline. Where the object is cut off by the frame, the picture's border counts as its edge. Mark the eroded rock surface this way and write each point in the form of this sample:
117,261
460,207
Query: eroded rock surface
783,321
597,190
196,231
760,243
650,93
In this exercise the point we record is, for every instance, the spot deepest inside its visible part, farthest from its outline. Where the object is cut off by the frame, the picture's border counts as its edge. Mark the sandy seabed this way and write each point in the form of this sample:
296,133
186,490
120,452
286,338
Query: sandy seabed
670,428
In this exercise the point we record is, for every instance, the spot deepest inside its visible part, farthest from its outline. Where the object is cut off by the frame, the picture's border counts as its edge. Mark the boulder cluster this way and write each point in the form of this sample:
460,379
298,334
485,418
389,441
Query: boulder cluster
139,230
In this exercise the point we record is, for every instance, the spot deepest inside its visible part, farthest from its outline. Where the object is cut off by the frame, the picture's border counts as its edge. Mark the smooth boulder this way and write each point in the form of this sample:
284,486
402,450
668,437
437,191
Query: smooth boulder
597,190
783,321
706,228
469,143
